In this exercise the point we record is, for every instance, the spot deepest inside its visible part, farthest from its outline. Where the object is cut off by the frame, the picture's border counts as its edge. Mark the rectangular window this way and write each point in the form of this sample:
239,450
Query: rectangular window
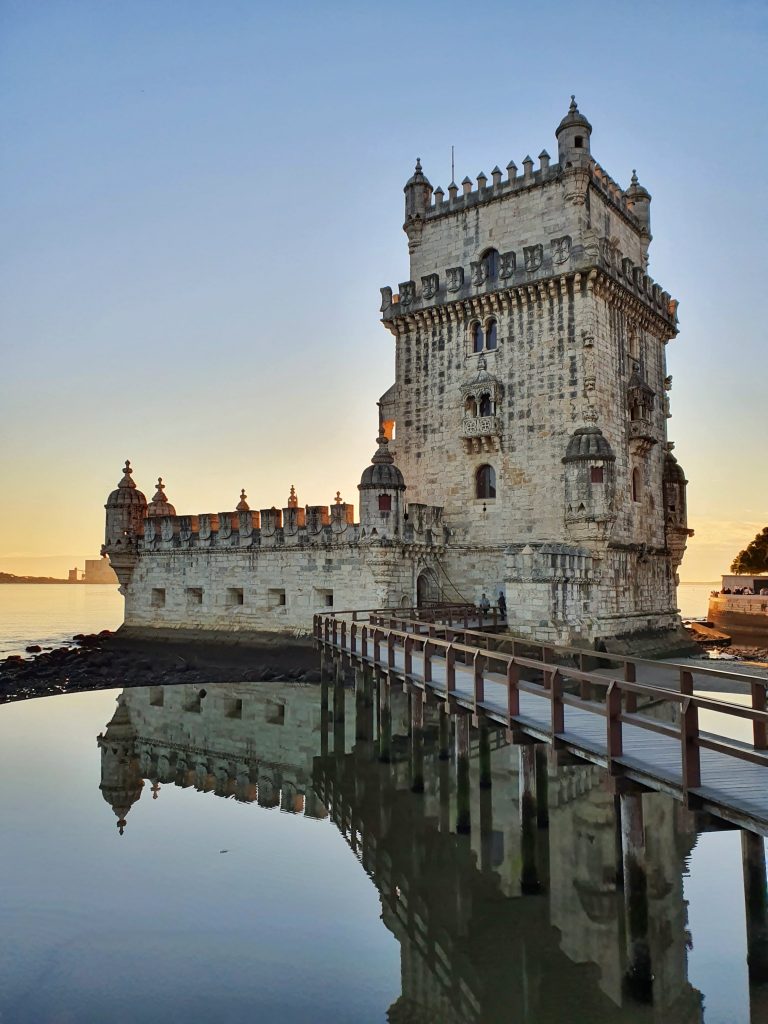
329,599
156,696
194,596
158,597
579,142
275,713
235,708
235,596
596,474
276,598
385,503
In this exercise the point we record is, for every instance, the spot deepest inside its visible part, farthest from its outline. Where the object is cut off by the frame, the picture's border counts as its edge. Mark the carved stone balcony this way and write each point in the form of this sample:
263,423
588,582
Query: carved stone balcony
481,433
642,436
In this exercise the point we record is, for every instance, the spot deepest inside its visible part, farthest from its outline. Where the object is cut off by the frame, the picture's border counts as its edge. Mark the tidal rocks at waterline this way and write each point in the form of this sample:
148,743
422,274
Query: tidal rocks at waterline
93,662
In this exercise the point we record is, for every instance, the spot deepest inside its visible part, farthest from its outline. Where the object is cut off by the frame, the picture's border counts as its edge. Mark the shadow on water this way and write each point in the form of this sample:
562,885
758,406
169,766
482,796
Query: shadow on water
520,886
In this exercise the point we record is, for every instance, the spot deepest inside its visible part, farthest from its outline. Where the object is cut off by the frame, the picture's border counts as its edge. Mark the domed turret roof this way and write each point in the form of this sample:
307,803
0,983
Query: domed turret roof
588,443
636,190
418,177
673,471
573,119
126,494
382,472
160,506
242,505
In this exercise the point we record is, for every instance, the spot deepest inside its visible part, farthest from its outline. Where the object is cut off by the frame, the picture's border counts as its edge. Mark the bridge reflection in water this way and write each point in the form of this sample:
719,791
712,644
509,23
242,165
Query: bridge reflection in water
518,888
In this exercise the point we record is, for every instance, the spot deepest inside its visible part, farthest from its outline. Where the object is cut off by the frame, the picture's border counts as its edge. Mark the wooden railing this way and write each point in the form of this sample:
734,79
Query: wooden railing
376,643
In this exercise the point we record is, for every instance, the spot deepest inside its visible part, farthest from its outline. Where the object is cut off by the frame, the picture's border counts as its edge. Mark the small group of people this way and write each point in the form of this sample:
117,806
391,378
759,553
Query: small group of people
747,591
485,605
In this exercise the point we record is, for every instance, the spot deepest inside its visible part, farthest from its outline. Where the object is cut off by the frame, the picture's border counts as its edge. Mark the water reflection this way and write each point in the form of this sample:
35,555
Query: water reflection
520,887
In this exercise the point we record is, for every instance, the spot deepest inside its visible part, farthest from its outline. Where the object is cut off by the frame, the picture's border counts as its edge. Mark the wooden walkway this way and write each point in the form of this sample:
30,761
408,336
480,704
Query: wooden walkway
589,714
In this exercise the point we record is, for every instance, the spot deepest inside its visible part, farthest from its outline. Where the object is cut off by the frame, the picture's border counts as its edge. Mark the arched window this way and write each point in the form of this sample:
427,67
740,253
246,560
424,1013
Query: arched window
637,485
490,335
486,405
477,337
485,482
470,406
385,503
490,260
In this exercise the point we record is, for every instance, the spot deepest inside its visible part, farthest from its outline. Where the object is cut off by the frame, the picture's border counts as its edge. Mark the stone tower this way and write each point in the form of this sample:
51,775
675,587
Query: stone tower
530,394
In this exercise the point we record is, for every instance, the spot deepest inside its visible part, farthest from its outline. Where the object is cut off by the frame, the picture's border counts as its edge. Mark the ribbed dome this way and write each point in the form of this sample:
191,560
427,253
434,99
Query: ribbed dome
636,190
160,506
673,471
588,443
574,118
382,473
418,177
127,494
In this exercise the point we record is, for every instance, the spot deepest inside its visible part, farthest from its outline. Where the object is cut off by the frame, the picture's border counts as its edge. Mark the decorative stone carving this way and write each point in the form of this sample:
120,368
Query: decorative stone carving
386,299
533,255
479,272
407,291
430,285
507,264
561,249
455,277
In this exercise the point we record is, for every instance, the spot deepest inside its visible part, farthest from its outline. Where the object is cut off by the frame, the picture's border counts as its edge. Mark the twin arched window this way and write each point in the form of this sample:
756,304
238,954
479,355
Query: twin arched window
485,482
490,261
484,337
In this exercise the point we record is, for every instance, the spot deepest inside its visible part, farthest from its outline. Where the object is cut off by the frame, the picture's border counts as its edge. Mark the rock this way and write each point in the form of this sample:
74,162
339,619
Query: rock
78,637
313,676
33,649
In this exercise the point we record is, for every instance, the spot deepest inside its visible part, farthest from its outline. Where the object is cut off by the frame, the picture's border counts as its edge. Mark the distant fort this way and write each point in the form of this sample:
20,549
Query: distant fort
527,423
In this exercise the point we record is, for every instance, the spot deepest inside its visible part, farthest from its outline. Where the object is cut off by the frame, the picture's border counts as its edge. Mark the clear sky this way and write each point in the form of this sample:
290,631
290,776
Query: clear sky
201,200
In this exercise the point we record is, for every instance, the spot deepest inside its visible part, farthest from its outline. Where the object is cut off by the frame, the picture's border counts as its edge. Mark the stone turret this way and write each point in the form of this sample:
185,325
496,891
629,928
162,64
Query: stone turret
590,484
126,509
674,486
121,779
418,198
382,494
160,506
639,203
573,135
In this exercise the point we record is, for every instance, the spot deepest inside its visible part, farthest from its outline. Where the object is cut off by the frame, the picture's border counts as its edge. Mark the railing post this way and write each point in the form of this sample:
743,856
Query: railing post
495,617
614,746
450,670
391,650
689,736
630,698
556,700
353,637
344,634
364,642
335,628
427,651
354,616
513,693
759,737
479,686
327,629
376,645
686,682
408,658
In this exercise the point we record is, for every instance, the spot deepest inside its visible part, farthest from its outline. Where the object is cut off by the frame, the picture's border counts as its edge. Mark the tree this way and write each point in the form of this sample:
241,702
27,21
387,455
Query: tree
754,557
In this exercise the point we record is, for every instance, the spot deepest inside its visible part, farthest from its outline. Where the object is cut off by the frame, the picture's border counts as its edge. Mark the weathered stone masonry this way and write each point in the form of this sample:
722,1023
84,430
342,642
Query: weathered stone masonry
528,421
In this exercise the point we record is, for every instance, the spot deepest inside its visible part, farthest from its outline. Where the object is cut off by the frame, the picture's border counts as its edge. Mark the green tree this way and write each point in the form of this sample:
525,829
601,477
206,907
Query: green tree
754,557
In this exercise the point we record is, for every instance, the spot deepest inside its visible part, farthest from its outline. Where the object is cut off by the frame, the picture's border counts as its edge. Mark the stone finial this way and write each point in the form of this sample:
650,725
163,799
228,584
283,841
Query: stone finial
439,194
496,176
482,180
160,492
527,168
511,170
544,160
242,505
634,180
293,501
453,190
338,500
573,105
126,480
467,185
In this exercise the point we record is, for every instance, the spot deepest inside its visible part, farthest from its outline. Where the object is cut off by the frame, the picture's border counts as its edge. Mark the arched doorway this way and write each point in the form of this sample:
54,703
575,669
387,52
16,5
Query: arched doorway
427,589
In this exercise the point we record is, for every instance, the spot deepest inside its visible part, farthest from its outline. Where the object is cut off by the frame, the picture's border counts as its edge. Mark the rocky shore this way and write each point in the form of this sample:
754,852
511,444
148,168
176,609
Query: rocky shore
102,661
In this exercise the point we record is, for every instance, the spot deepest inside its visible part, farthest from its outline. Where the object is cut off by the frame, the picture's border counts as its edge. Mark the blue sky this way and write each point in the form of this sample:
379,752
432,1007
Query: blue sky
200,201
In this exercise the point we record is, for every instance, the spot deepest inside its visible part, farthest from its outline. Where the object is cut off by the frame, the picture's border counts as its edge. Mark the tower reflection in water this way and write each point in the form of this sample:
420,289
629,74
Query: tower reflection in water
501,872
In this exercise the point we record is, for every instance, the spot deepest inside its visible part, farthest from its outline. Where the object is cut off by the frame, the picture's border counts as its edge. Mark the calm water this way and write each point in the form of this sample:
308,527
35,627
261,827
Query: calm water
48,614
272,868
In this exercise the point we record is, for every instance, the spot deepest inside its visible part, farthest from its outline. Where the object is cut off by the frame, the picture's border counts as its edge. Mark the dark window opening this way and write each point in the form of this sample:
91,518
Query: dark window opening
158,597
579,142
491,263
636,485
486,406
235,596
485,482
596,475
477,338
385,503
490,335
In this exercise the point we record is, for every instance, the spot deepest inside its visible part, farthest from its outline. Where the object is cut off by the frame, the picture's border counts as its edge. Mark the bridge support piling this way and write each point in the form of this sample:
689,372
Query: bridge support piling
638,976
542,785
363,709
529,873
443,734
385,720
756,906
484,755
463,815
417,742
324,713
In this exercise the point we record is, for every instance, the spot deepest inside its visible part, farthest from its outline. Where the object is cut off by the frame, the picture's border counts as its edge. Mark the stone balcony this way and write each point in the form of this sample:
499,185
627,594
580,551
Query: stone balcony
481,433
642,436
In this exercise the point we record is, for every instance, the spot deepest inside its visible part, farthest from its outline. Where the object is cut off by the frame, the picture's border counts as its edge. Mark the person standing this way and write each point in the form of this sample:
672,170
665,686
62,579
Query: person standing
502,603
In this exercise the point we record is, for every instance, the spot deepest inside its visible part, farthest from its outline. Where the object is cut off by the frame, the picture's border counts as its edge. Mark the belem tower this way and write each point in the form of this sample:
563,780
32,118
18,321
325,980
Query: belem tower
522,448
